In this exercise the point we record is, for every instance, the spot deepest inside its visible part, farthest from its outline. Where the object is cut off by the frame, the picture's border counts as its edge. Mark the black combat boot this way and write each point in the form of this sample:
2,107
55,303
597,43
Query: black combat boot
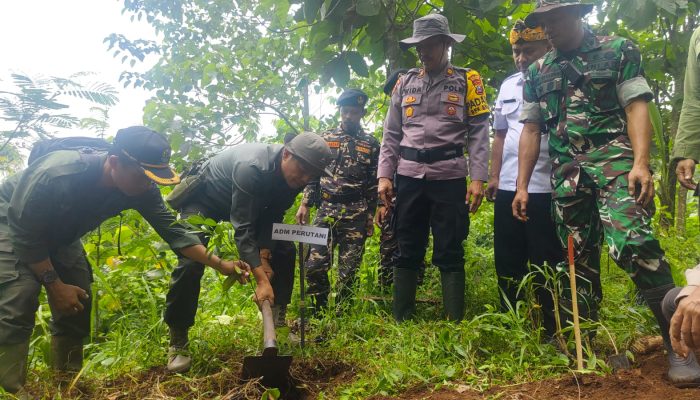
66,353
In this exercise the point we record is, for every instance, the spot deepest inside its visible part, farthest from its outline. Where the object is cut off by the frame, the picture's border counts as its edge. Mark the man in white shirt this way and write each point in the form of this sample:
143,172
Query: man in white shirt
517,243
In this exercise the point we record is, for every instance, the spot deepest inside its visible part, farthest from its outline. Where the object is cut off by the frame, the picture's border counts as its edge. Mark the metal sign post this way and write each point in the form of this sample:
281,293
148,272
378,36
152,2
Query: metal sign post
301,234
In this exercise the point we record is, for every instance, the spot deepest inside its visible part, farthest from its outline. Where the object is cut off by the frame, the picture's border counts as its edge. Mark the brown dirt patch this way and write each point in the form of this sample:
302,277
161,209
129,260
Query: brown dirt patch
310,377
646,381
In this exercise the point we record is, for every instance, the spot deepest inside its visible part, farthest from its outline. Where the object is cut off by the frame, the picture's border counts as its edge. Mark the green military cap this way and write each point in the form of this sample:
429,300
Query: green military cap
545,6
313,150
352,97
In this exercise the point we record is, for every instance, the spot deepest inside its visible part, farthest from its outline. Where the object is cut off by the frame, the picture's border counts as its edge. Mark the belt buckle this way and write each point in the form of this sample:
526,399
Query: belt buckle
423,156
325,196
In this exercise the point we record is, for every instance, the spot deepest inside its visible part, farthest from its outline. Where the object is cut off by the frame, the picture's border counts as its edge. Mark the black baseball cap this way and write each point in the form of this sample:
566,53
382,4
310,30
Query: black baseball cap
150,150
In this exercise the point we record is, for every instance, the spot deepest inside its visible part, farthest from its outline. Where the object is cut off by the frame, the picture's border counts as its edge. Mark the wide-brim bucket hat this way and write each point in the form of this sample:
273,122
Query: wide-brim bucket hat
546,6
427,27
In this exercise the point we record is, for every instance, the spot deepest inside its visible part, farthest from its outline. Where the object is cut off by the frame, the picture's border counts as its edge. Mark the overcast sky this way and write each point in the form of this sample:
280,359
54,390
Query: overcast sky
60,38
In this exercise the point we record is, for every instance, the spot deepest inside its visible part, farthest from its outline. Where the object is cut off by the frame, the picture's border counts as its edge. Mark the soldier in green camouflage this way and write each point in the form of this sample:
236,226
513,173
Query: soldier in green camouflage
347,201
590,94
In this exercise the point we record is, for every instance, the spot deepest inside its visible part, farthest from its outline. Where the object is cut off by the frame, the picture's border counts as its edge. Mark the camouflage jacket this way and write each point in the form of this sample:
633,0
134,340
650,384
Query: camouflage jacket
354,169
587,124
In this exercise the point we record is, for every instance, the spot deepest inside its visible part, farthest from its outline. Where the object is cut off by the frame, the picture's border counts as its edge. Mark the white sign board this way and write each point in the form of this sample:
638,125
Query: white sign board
300,233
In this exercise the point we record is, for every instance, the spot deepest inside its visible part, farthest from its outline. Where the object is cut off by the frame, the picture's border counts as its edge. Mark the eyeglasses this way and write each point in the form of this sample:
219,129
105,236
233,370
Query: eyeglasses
527,34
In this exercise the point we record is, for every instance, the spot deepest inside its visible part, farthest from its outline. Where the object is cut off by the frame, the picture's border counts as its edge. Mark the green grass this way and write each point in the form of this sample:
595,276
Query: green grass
487,348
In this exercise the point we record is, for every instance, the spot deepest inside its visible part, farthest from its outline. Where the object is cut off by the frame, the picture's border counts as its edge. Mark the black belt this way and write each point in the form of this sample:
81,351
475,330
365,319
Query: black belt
340,198
429,156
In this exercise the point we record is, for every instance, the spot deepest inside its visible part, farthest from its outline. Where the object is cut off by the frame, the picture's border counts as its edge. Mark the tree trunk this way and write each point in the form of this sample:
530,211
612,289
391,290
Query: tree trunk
391,39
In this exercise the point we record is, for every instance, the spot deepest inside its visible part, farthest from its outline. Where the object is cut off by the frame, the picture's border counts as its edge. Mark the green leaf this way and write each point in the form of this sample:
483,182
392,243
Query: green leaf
357,63
311,8
638,14
208,74
488,5
196,220
338,70
671,6
368,8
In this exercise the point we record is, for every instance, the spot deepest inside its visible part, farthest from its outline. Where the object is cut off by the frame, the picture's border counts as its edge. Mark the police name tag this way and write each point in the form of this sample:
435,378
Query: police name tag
300,233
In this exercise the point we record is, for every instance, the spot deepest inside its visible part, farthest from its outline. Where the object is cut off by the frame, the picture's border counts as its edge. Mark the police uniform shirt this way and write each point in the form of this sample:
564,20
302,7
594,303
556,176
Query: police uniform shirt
429,112
506,117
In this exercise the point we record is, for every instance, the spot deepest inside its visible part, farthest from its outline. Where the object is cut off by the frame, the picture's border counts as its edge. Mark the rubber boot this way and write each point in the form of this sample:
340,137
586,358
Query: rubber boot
405,283
13,366
453,294
179,358
683,372
66,353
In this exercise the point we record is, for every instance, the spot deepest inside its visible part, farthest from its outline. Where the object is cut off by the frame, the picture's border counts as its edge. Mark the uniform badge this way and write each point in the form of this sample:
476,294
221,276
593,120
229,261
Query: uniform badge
421,73
362,149
409,112
165,157
398,82
478,84
451,110
361,100
410,100
453,97
333,145
450,71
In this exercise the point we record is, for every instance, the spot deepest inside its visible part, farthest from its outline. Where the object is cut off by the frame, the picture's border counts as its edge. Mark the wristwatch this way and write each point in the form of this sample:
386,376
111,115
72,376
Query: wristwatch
48,277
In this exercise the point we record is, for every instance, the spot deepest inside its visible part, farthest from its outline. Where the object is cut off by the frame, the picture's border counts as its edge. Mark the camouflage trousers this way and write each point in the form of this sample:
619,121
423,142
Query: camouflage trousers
348,235
389,252
609,213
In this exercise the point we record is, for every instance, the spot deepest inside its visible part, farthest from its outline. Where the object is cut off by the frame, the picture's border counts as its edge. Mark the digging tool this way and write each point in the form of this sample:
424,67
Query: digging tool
574,305
302,296
616,361
271,367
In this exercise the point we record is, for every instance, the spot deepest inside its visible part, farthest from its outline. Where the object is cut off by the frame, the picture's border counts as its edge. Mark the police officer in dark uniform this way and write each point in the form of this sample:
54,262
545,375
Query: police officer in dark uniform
348,199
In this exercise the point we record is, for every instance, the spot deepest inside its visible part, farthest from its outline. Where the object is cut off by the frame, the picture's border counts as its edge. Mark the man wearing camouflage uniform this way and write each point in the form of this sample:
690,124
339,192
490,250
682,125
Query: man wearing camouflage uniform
591,94
348,199
436,111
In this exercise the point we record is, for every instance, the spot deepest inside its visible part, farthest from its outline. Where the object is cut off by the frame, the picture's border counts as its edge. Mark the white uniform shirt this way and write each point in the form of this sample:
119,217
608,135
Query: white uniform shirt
506,115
